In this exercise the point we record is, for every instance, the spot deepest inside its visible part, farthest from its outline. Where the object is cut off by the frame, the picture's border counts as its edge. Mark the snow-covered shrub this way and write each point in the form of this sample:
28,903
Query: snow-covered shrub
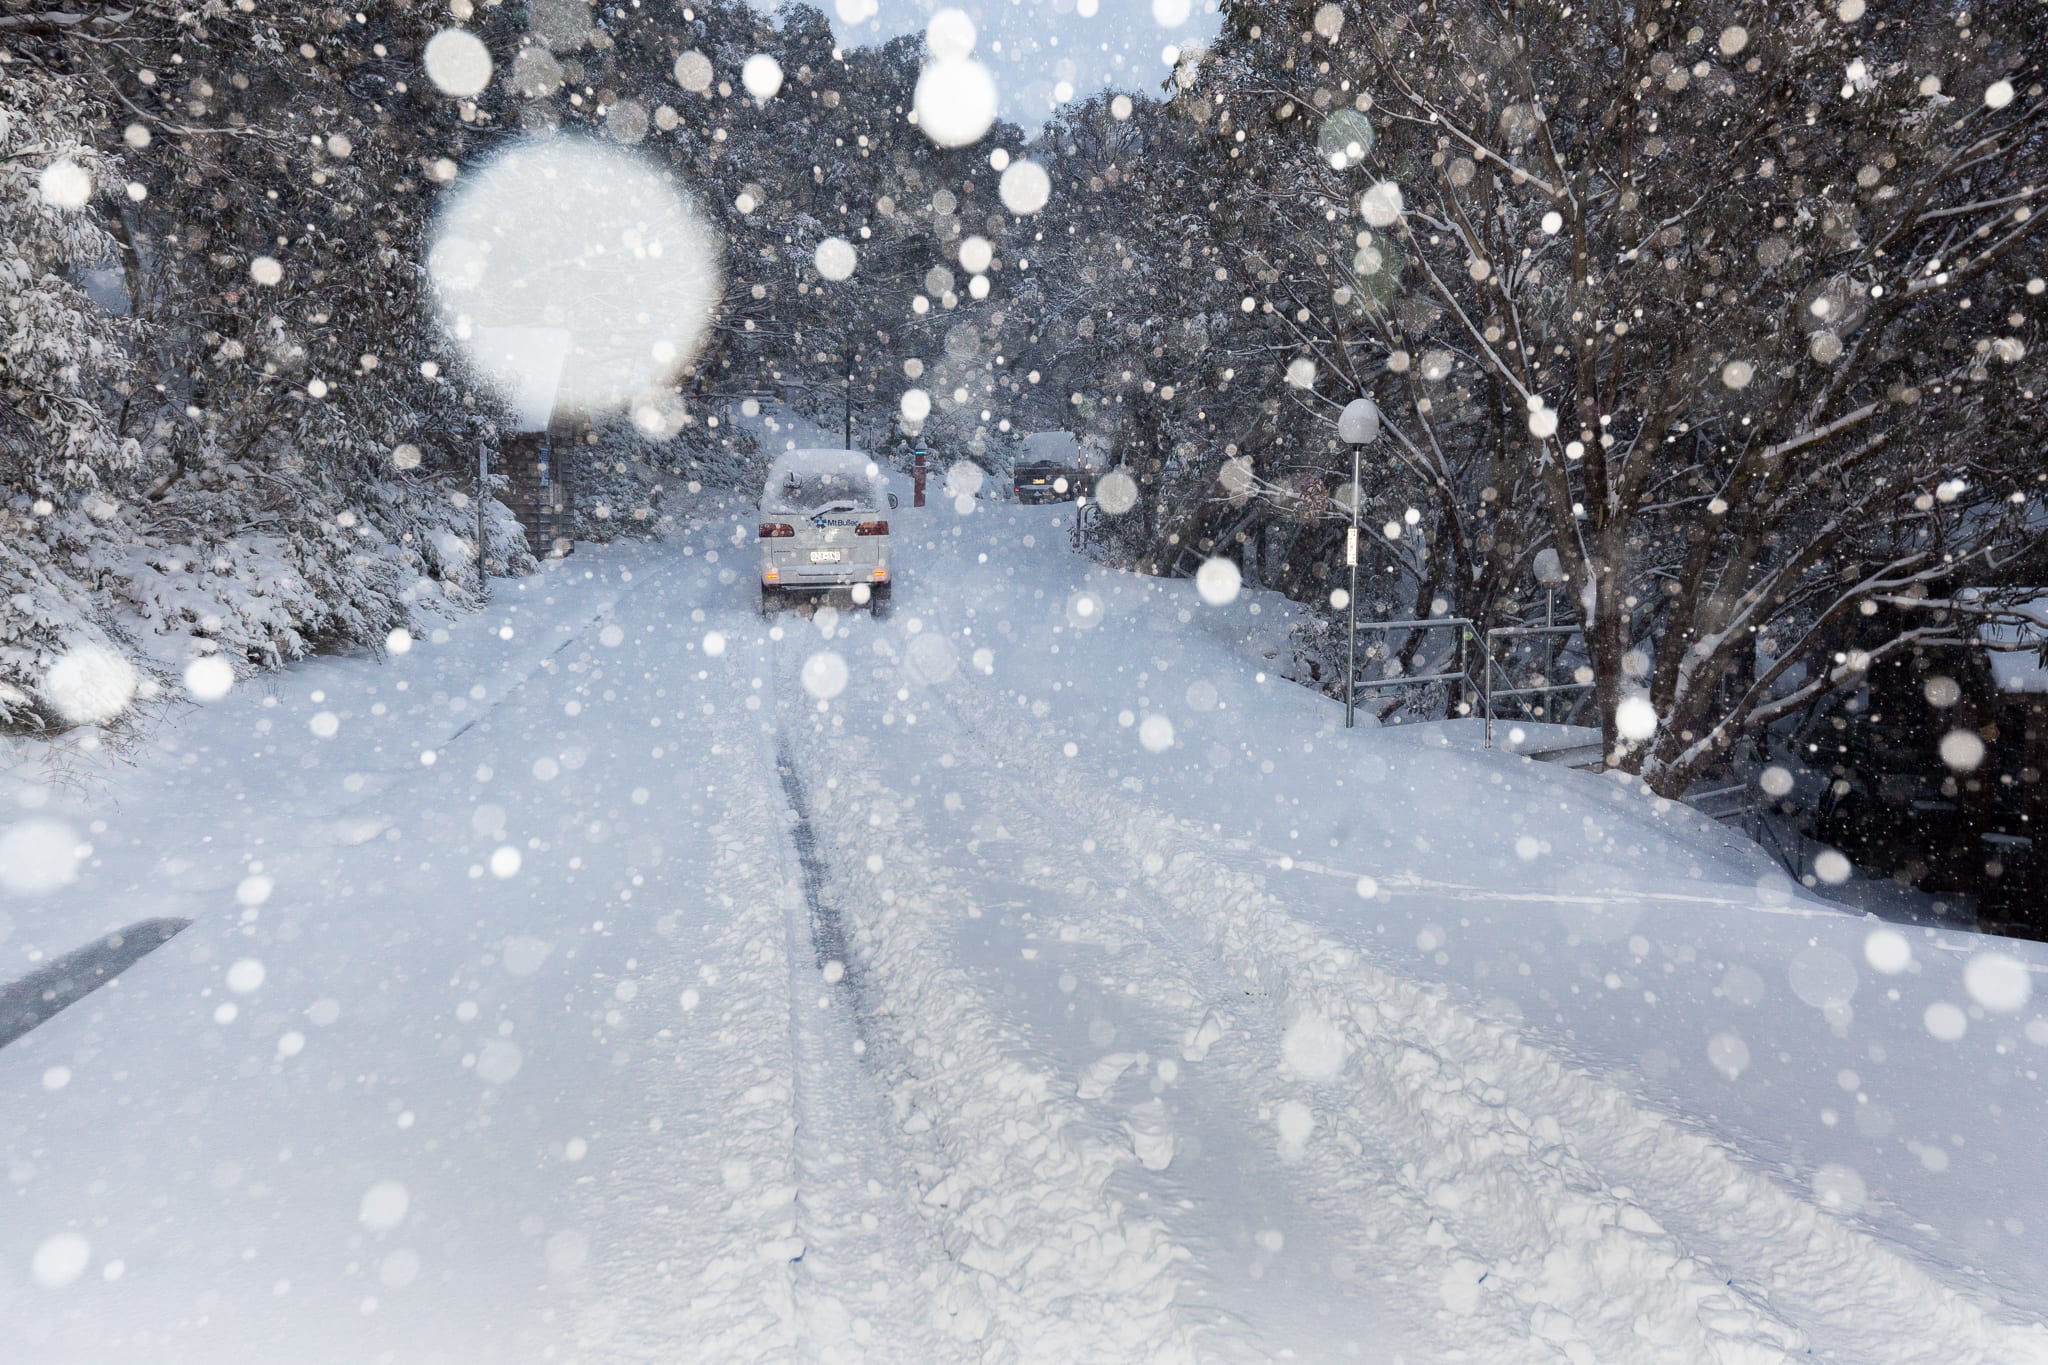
214,450
58,348
729,456
617,483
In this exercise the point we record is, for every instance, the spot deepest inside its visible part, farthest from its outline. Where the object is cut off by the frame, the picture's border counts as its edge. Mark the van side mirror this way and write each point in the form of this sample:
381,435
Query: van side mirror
894,501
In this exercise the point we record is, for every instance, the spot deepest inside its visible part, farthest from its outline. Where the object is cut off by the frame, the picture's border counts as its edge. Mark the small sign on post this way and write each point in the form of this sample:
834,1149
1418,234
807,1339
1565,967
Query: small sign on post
1350,546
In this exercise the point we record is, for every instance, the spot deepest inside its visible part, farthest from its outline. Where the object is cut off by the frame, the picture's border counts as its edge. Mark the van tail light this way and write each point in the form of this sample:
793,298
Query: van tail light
775,530
872,528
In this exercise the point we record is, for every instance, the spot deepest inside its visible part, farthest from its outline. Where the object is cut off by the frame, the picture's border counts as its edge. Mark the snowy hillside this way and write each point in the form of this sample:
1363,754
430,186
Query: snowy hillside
1030,975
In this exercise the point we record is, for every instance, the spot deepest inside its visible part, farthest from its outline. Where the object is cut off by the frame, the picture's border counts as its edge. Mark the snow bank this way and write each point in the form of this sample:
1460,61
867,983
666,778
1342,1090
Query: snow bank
256,565
1556,1186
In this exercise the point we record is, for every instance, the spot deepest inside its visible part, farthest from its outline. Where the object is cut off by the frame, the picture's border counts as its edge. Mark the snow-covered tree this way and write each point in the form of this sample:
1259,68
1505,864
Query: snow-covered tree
60,350
1738,323
238,439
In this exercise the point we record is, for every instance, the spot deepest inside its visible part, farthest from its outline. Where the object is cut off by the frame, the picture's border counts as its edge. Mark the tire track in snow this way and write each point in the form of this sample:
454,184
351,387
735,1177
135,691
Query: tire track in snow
1333,1213
688,1236
1439,1186
1043,1262
1545,1169
715,1275
827,931
1237,1032
868,1268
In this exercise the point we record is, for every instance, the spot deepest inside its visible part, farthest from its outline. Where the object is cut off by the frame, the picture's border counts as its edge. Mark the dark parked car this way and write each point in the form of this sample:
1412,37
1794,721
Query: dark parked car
1044,481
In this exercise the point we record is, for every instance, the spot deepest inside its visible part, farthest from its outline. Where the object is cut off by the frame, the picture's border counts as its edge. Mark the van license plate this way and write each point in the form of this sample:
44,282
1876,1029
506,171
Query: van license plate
824,556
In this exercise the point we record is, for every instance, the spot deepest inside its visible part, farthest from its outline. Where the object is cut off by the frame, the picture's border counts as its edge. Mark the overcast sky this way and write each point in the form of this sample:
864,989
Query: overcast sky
1032,47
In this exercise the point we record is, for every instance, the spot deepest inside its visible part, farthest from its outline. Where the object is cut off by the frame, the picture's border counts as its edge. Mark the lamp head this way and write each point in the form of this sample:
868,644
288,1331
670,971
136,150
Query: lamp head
1360,423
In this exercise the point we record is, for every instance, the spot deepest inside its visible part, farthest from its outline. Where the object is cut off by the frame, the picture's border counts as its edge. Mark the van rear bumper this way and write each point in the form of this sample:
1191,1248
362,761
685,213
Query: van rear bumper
823,577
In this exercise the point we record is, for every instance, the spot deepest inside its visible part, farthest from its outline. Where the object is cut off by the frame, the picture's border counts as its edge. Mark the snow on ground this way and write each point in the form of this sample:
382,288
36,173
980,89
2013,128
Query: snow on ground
1031,975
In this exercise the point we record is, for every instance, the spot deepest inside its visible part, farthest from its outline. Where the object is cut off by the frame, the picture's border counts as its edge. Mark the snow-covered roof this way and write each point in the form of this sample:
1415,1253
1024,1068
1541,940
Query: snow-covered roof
802,480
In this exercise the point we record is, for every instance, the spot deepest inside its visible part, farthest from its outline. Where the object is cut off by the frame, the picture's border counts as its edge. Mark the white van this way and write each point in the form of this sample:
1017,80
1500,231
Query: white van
824,528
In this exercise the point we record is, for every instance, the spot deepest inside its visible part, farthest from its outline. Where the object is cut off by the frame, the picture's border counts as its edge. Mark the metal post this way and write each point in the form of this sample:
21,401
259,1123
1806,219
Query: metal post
483,492
1351,599
1462,684
1486,687
1358,425
1550,656
849,401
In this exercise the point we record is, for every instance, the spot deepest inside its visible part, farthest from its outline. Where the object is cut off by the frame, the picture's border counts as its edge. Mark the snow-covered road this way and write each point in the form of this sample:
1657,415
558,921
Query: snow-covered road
1031,975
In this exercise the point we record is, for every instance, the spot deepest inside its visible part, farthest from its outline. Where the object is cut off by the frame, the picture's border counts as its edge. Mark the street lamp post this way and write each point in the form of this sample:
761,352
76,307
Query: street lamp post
1358,427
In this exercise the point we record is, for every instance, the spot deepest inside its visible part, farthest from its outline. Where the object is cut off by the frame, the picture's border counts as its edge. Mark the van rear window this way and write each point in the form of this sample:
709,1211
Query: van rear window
810,491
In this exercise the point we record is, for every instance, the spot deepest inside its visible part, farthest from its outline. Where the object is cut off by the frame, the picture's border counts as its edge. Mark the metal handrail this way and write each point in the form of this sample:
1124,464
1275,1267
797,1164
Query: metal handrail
1466,630
1568,628
1428,624
1540,689
1407,679
1491,669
